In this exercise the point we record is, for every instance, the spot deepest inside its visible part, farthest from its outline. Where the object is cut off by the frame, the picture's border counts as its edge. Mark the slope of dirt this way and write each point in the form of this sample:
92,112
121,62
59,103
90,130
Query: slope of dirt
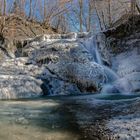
16,27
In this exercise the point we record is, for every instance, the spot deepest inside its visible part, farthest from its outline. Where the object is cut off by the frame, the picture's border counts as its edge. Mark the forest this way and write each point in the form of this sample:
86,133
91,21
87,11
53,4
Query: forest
72,15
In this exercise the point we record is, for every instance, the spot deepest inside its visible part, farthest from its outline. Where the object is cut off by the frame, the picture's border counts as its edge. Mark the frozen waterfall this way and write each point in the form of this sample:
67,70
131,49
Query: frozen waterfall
114,83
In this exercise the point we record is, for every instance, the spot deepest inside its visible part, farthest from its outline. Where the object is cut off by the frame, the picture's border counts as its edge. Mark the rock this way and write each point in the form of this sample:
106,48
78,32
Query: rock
22,120
2,55
20,86
62,63
45,51
53,86
18,80
70,62
127,66
89,77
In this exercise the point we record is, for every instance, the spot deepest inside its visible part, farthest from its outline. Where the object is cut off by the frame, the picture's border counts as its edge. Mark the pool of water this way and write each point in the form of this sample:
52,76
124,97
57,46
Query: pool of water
103,96
37,120
44,118
116,96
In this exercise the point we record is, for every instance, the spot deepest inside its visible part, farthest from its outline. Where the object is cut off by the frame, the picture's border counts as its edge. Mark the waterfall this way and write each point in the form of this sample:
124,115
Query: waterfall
111,75
114,84
109,88
98,56
92,45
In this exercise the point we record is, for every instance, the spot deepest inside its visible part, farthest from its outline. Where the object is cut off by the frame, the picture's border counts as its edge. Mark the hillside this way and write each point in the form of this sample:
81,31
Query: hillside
16,27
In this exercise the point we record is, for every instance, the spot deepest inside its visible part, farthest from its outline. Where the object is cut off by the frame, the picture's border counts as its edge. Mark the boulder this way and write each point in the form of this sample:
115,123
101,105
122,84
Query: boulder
88,77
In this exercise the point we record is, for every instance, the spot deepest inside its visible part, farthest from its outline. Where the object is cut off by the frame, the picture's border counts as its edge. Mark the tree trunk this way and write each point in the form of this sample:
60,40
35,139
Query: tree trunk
138,8
22,8
0,8
30,10
4,8
81,15
89,16
45,10
133,7
109,13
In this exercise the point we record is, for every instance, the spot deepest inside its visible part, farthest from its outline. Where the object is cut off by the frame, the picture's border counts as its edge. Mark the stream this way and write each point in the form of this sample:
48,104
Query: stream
57,118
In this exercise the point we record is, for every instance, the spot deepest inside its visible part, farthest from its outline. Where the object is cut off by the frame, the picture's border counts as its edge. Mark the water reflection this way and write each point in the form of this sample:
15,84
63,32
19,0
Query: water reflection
38,120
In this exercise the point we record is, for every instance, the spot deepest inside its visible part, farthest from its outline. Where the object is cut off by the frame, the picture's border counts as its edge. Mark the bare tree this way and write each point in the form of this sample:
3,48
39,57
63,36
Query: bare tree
15,8
138,5
22,7
133,7
89,16
81,15
100,19
45,9
0,7
109,12
4,7
30,8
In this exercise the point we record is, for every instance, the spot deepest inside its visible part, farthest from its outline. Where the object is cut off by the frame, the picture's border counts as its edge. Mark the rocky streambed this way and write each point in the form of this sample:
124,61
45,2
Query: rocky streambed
88,117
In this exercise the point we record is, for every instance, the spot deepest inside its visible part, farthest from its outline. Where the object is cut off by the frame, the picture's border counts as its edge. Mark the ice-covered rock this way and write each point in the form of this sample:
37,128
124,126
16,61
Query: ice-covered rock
123,50
72,63
60,60
18,80
67,58
54,86
19,86
128,67
89,77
